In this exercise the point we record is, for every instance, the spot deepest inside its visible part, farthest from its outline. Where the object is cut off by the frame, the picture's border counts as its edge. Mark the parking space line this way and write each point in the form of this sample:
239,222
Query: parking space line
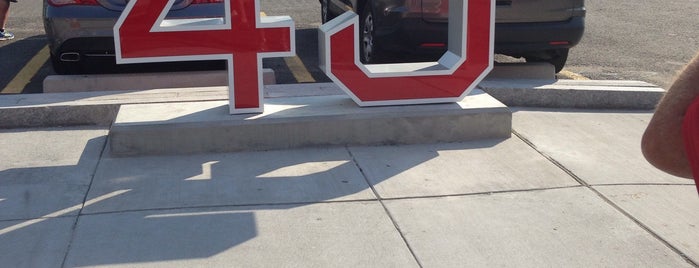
298,70
20,81
296,66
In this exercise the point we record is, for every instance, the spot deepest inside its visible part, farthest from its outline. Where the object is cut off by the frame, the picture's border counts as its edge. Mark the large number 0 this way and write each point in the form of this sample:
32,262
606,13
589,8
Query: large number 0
463,66
142,34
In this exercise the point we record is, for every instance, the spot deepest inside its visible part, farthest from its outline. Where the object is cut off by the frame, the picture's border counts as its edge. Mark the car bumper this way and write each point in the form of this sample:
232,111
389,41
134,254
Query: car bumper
69,28
515,39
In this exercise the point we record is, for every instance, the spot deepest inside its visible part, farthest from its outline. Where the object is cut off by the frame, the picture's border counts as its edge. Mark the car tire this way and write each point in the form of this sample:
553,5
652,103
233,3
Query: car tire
369,52
557,57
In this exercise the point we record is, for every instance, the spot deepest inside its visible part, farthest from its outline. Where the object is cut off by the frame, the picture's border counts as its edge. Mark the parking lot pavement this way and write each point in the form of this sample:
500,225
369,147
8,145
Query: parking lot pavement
569,189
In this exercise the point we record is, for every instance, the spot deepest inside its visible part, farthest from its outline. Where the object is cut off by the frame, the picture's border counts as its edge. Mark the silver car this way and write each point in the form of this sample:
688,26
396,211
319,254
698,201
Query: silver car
81,38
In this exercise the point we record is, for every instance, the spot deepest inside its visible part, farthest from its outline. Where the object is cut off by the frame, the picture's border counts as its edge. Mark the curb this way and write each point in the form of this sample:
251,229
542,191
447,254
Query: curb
585,94
101,107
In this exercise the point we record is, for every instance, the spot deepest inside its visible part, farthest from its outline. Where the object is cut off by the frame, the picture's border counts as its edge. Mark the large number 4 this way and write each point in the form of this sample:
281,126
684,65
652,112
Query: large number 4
143,34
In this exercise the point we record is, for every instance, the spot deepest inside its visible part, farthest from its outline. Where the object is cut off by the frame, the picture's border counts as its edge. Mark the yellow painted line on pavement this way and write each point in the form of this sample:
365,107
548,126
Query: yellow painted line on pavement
296,66
572,75
298,69
22,79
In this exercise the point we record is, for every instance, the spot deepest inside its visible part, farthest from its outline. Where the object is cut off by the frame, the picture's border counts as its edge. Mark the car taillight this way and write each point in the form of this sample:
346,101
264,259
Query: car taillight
73,2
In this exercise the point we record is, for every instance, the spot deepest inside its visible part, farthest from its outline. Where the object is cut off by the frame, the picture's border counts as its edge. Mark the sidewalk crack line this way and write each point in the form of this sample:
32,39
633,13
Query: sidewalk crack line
385,208
607,200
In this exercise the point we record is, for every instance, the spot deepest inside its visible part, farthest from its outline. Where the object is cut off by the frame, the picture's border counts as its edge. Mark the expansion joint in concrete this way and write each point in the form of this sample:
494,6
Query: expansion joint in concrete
385,208
607,200
84,203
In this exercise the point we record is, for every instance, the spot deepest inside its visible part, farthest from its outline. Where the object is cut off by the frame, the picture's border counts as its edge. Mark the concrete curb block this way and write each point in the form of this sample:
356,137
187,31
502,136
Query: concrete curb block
587,94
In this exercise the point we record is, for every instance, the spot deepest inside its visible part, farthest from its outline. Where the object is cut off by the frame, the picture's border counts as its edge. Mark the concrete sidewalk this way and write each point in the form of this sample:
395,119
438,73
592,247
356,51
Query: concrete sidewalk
569,189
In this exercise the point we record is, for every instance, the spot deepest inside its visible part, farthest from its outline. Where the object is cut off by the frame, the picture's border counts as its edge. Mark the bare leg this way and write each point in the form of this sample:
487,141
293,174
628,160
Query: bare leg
662,143
4,11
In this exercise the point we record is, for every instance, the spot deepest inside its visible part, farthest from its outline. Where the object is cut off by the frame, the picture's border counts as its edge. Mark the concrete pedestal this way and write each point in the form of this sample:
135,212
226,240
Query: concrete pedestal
197,127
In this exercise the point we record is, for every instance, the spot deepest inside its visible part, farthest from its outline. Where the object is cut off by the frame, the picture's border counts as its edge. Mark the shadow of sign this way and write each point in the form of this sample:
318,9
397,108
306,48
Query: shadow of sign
175,208
139,237
40,190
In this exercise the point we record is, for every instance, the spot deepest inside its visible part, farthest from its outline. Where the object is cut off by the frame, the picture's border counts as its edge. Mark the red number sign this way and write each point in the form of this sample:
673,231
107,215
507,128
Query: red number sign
142,34
468,61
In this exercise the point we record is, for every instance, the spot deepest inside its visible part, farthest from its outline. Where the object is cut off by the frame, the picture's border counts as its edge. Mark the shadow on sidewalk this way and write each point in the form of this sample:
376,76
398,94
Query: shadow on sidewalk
169,208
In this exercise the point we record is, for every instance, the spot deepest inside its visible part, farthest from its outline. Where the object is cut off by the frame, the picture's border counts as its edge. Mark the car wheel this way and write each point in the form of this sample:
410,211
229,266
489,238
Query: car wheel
367,46
557,57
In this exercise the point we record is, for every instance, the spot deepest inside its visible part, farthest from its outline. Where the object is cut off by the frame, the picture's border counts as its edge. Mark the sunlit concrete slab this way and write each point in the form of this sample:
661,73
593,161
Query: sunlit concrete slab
302,122
600,147
458,168
552,228
670,211
588,94
46,172
311,235
35,242
272,177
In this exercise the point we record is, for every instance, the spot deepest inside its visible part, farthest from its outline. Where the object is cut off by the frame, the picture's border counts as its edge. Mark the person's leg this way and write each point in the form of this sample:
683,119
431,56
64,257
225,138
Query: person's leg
4,11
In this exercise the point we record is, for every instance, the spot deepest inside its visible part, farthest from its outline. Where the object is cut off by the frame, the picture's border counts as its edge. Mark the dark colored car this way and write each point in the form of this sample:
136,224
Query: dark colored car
81,38
537,30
